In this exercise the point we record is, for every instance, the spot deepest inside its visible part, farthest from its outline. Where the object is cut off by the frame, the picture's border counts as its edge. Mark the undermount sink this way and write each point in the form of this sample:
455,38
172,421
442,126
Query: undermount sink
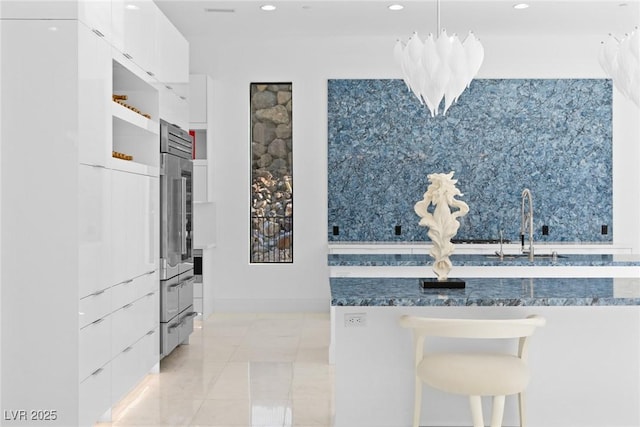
525,256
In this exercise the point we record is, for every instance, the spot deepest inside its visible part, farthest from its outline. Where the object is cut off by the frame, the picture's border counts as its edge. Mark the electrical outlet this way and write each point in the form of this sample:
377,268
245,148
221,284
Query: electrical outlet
355,320
545,230
336,230
398,230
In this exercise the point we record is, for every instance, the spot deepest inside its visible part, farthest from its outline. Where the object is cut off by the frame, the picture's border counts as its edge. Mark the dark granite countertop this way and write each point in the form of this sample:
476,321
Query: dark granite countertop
487,292
479,260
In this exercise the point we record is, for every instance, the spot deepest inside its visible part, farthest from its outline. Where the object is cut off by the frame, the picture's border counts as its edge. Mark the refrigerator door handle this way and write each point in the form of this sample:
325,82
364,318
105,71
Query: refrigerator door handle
183,205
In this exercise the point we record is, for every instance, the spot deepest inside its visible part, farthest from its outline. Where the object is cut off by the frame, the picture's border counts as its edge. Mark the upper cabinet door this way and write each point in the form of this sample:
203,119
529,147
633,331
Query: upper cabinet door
172,50
94,98
96,14
133,31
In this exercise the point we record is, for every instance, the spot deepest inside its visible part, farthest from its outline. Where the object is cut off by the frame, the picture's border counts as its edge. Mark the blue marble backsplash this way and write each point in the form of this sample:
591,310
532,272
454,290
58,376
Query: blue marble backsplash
551,136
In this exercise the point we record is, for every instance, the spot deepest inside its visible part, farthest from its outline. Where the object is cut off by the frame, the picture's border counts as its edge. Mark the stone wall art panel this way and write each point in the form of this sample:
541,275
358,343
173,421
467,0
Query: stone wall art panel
271,173
551,136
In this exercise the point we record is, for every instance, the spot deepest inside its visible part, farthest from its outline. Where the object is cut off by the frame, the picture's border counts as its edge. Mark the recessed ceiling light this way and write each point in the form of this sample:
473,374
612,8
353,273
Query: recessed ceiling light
520,6
268,7
396,7
132,7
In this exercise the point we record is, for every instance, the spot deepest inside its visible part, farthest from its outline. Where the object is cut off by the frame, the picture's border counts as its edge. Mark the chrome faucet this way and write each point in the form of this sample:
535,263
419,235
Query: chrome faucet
500,253
526,220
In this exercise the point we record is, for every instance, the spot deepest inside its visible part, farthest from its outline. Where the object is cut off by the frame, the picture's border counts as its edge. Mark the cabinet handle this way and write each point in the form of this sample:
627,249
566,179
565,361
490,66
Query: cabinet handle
126,55
150,73
174,287
151,332
188,281
171,328
127,306
128,349
98,32
127,282
97,371
192,314
98,321
95,294
149,294
184,215
150,272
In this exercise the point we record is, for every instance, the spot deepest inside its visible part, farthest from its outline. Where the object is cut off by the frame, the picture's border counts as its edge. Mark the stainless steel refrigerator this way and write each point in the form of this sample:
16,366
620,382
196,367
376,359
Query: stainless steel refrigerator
176,252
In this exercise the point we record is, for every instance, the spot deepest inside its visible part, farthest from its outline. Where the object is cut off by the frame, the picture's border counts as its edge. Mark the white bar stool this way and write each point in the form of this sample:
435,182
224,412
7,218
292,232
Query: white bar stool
474,374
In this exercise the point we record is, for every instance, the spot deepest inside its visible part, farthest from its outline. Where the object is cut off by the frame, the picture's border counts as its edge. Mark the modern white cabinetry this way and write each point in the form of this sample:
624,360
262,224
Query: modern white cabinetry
94,87
79,227
204,207
133,27
198,97
96,14
94,227
172,51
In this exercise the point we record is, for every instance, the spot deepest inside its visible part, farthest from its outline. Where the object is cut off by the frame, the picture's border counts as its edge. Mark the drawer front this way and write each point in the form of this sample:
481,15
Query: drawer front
169,299
146,283
148,312
123,294
186,292
95,396
132,321
95,346
94,307
149,354
169,336
186,324
133,363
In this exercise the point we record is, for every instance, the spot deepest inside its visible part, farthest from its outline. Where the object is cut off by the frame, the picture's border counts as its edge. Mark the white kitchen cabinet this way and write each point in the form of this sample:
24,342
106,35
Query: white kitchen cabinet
134,362
135,213
200,181
95,395
96,14
95,217
39,127
94,93
173,108
95,346
132,321
200,115
198,99
94,307
94,229
133,25
172,51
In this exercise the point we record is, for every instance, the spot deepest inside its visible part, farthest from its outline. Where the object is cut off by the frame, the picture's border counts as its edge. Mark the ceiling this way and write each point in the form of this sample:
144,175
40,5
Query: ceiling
243,18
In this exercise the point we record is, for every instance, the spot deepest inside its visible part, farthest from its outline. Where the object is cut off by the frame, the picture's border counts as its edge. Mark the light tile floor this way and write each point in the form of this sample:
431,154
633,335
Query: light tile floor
259,370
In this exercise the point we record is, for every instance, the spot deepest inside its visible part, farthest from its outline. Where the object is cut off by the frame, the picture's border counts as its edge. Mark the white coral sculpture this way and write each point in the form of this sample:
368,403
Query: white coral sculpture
443,223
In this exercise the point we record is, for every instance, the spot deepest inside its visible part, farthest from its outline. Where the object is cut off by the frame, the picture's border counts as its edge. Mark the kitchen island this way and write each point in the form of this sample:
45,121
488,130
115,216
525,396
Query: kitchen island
585,363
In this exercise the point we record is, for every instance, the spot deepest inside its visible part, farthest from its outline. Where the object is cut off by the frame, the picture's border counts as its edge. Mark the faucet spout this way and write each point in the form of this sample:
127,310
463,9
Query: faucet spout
526,221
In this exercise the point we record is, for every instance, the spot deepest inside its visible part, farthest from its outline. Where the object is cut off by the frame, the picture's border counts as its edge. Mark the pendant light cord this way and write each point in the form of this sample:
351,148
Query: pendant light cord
438,15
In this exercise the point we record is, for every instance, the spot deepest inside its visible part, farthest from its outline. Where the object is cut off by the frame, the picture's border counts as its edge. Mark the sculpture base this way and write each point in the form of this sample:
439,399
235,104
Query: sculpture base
442,284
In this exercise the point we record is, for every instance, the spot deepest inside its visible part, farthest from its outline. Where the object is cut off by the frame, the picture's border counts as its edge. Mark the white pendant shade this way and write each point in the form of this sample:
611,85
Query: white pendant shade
620,59
438,69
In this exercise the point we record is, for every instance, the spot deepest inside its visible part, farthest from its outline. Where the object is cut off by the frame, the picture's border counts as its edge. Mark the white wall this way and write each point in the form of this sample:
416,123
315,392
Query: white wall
308,63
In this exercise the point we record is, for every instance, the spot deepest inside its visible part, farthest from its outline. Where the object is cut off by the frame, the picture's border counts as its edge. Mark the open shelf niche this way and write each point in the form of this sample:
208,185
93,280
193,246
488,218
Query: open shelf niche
135,122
